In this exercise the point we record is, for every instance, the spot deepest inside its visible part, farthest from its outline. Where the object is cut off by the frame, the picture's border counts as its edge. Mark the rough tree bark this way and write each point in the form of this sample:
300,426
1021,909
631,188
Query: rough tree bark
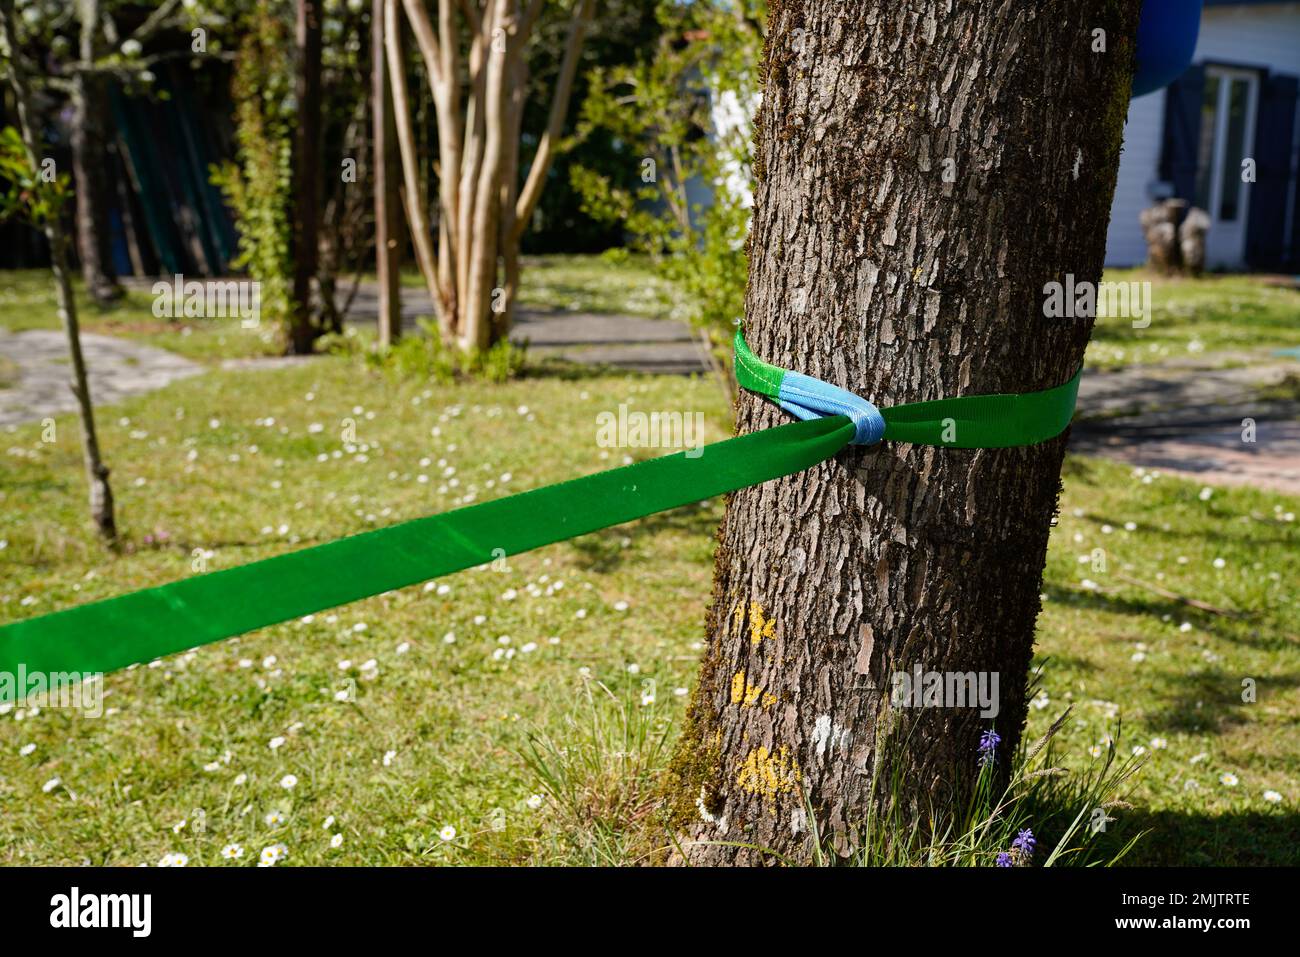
923,168
101,495
303,328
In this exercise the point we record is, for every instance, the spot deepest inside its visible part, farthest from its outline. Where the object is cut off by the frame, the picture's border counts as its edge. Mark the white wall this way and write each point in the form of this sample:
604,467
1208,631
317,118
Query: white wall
1256,35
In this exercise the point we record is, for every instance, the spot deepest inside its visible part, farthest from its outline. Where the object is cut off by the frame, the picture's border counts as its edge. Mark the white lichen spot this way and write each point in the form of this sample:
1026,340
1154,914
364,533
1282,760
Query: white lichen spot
828,735
1078,162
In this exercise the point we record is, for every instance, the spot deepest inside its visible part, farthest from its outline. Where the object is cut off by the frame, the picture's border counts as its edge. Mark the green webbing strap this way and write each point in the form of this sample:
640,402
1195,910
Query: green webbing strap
140,626
137,627
967,422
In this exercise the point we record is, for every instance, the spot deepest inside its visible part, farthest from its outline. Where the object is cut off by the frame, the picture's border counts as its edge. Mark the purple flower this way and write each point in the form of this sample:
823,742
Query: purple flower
1025,842
1004,859
989,742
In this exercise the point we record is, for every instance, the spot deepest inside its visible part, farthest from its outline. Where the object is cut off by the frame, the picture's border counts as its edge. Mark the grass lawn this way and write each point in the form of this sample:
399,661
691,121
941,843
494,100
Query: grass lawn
1215,319
445,683
573,662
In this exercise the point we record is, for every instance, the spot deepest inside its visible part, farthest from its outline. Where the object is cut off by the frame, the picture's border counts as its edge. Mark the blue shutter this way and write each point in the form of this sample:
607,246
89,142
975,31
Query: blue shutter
1274,129
1182,132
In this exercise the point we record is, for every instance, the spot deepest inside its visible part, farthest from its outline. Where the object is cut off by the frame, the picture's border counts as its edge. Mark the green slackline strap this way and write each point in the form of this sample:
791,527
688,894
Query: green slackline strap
105,635
967,422
137,627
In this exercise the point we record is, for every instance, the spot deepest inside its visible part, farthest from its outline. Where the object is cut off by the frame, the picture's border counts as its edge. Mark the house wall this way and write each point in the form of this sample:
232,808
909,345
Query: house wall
1250,35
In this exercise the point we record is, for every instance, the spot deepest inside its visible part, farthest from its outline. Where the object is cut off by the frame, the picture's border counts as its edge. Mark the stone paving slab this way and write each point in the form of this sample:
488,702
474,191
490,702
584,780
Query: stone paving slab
116,369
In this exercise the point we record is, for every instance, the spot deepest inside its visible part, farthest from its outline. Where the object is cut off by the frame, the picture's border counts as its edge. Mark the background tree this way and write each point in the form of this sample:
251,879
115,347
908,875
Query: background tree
86,46
684,109
262,185
472,269
303,328
923,169
37,193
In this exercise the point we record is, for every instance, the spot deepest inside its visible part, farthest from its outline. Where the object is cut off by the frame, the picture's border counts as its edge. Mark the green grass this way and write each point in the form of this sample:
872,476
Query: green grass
1215,319
624,284
581,723
28,301
200,462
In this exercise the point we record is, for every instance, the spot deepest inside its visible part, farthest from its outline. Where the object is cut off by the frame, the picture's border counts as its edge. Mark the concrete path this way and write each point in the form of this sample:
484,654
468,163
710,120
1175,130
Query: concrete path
117,368
621,342
1210,424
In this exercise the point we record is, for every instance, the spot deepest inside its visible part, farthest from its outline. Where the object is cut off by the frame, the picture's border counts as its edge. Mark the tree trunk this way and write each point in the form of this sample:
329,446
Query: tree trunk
387,251
923,169
303,329
101,495
89,98
89,169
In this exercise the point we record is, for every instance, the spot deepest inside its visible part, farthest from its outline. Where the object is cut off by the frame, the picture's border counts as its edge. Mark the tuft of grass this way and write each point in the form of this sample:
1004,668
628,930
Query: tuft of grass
600,774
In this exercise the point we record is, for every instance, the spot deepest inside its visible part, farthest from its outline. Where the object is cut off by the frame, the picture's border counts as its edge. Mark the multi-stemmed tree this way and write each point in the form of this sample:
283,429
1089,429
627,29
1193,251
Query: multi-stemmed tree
474,55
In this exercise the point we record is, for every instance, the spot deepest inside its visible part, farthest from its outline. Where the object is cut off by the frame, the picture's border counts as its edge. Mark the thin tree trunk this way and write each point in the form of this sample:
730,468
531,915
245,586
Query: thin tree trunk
413,194
101,495
923,168
476,324
306,176
387,200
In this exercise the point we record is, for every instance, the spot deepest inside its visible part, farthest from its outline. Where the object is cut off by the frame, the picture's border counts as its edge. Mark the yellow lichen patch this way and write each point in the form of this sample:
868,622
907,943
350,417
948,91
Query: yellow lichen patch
737,687
767,773
742,692
769,699
760,626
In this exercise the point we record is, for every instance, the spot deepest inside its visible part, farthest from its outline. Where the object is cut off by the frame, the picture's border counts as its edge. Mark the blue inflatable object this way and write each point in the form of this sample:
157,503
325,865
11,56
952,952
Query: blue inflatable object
1166,39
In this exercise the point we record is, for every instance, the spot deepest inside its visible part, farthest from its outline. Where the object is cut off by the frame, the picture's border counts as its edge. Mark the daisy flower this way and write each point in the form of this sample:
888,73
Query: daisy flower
173,859
272,855
1228,780
232,852
448,833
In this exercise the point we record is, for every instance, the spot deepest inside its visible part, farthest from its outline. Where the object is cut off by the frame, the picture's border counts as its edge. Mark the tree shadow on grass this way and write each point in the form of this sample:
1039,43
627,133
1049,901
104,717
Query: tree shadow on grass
1210,702
1234,839
1157,608
602,552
